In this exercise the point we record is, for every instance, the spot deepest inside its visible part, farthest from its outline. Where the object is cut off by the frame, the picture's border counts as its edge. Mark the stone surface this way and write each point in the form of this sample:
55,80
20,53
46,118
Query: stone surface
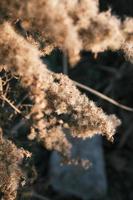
74,180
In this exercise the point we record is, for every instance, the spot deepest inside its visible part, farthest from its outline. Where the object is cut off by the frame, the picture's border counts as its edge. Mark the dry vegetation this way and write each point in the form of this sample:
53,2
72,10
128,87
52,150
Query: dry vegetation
29,30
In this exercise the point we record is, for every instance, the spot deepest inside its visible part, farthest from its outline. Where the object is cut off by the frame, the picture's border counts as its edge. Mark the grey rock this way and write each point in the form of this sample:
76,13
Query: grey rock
75,180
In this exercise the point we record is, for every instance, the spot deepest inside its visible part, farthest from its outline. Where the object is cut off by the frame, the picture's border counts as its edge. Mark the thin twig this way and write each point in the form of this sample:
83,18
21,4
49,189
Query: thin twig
103,96
38,196
34,194
10,103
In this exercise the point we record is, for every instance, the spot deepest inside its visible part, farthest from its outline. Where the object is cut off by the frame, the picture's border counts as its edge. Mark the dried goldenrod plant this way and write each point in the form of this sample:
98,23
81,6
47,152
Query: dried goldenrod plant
73,25
56,101
57,104
10,173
